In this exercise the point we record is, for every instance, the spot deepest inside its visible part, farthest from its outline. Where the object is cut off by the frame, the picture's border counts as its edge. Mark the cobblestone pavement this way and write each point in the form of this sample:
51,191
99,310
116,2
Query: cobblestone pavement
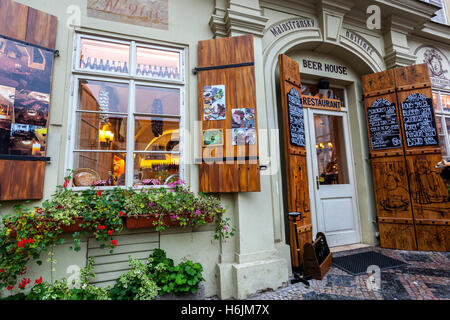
425,277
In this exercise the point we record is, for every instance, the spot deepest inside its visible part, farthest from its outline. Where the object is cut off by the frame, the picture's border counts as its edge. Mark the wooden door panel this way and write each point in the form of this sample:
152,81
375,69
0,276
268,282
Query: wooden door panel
296,169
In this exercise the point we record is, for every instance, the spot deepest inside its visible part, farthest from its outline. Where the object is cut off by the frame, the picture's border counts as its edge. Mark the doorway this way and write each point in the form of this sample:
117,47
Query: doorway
332,189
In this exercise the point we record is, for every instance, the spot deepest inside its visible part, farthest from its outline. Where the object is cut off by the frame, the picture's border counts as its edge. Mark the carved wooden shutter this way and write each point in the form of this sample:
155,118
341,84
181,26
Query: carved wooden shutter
390,179
22,177
228,64
422,221
295,155
429,194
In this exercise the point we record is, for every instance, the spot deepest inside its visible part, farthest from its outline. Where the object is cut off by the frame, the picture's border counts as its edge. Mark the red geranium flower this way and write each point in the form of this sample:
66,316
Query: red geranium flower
122,214
24,283
101,227
9,287
99,192
110,232
66,183
114,243
38,281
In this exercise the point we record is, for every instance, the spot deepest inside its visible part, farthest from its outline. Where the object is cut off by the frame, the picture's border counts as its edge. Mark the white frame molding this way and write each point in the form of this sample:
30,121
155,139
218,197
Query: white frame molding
132,80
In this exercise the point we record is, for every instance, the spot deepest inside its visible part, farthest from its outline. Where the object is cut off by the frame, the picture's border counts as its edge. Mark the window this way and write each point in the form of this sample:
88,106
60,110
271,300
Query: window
127,113
441,102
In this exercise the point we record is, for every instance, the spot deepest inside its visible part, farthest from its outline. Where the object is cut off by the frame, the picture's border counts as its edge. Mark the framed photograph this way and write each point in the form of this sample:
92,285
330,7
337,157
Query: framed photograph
214,106
212,137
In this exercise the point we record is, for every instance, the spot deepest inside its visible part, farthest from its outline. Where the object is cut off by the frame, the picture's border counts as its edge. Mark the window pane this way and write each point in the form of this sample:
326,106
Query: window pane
437,108
157,100
445,98
103,96
106,166
104,56
97,131
155,169
157,134
156,63
330,149
331,93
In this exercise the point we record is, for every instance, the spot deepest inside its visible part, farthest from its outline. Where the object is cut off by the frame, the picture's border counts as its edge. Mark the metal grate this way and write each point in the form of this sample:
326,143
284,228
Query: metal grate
357,264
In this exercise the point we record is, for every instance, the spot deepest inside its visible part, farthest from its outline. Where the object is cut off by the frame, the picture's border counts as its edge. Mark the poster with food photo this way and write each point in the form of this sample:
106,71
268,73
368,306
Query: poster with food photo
243,118
6,107
31,108
214,107
243,136
28,140
212,137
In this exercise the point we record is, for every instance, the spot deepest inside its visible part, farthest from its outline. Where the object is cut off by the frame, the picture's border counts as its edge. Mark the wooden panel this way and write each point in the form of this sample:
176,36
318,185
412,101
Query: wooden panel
41,29
232,174
21,180
389,172
14,19
429,195
397,236
296,170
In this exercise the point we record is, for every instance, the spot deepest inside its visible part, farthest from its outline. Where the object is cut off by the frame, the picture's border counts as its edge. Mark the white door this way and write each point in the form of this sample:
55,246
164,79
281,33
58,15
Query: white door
333,195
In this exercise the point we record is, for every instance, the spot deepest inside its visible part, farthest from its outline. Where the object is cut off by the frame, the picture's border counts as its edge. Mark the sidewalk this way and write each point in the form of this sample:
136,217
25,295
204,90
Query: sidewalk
426,277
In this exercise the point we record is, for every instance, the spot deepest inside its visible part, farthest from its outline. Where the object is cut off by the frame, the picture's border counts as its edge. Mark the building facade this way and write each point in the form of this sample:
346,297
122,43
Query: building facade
330,39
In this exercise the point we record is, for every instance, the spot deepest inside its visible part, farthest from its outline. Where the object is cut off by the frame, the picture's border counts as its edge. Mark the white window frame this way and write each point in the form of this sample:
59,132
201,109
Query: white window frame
441,115
132,80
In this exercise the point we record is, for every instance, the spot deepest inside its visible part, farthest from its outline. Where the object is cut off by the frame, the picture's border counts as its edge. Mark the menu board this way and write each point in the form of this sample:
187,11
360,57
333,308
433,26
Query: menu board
383,125
419,121
25,83
296,123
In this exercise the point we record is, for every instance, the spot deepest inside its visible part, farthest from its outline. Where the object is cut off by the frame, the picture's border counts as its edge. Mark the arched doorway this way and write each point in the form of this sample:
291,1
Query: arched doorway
342,203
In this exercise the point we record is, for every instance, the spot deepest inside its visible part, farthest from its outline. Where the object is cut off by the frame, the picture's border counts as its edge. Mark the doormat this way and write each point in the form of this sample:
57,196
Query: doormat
357,264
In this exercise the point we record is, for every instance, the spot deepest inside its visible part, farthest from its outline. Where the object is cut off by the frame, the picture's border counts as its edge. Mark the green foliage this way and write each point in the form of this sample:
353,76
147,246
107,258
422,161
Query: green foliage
62,290
136,284
181,279
101,212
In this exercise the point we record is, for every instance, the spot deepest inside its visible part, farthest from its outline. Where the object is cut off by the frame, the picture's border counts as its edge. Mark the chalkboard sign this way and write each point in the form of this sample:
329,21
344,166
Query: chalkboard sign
419,121
383,125
322,250
296,123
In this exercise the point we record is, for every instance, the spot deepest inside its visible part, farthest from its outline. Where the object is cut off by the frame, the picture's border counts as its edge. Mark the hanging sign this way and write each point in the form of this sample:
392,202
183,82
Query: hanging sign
383,125
419,121
296,121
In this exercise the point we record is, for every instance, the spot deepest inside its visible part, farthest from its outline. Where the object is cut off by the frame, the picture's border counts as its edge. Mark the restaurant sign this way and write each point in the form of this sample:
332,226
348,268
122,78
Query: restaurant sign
438,64
148,13
318,102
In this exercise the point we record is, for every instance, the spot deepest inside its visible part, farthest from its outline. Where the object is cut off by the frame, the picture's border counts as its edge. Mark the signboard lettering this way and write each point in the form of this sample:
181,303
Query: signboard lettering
383,125
296,122
419,121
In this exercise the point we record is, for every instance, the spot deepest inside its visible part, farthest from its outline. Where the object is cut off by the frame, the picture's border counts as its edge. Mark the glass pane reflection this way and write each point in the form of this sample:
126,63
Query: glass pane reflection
330,149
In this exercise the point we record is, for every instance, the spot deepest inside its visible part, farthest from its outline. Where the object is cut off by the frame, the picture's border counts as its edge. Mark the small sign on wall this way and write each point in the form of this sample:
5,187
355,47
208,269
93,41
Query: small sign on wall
147,13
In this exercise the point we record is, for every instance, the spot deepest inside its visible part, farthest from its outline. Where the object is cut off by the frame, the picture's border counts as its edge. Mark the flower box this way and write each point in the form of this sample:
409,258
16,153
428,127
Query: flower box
146,221
74,227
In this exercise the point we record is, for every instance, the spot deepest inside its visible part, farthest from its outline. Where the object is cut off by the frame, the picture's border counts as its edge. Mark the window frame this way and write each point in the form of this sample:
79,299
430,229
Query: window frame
77,74
441,116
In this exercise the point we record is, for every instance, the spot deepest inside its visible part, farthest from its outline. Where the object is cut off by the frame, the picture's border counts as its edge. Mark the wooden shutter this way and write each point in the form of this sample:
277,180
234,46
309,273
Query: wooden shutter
22,177
429,194
390,179
295,156
423,224
228,62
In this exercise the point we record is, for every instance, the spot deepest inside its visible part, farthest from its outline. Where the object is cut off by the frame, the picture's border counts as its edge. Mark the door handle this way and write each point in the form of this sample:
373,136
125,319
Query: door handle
317,182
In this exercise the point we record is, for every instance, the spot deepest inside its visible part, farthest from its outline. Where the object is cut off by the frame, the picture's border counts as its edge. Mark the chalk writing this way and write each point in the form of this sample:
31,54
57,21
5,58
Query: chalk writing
296,122
383,125
419,121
